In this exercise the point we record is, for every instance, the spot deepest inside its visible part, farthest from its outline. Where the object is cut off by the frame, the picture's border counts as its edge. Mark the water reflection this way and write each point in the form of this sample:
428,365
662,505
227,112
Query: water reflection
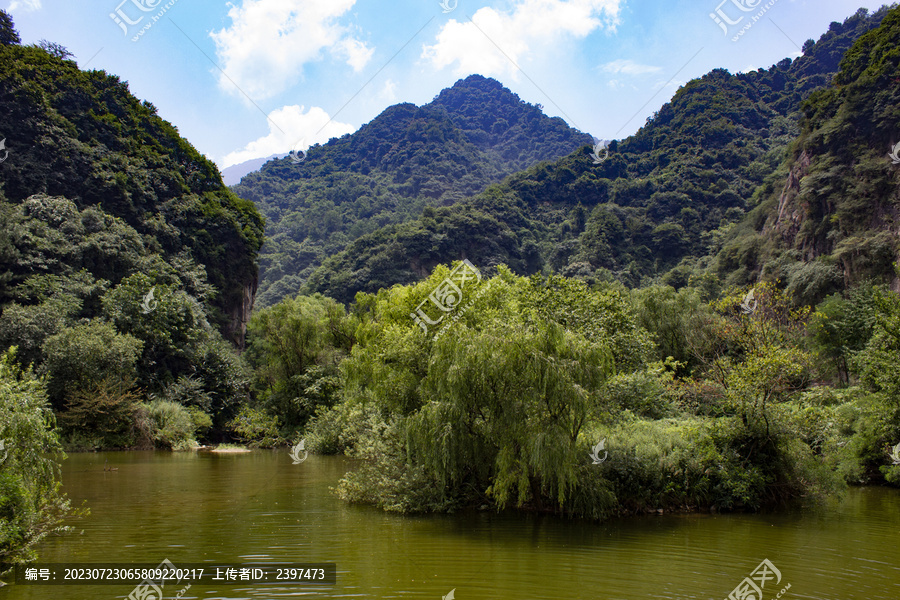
260,507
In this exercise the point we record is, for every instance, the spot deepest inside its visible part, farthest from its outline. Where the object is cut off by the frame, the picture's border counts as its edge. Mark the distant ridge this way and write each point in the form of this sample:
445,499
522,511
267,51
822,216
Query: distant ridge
232,175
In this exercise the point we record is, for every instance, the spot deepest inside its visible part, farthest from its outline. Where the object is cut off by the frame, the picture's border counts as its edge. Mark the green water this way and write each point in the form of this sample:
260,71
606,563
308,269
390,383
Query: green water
259,507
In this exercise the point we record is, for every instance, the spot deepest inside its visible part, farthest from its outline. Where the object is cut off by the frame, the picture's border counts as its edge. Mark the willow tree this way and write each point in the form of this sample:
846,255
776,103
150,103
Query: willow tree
506,410
496,410
32,505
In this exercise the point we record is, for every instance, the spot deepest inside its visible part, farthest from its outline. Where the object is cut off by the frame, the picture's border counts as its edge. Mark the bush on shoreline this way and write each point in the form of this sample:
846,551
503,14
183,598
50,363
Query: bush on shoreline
31,503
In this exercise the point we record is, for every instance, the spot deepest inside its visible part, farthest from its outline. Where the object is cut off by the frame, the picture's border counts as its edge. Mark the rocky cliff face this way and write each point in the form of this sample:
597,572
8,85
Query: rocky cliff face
239,315
786,222
812,218
835,222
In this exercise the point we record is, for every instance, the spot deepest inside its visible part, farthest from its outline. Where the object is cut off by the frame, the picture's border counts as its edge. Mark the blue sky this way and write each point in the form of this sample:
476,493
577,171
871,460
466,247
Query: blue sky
251,78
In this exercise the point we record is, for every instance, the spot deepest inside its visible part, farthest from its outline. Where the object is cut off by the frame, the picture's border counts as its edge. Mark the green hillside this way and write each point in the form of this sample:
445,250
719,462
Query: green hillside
655,209
829,221
82,136
406,159
126,265
709,306
699,394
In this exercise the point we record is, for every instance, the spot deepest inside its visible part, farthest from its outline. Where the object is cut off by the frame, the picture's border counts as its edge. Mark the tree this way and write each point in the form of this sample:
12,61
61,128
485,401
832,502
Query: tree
8,34
54,49
296,346
673,318
80,358
842,326
877,362
505,411
860,333
757,355
495,410
27,327
106,414
31,504
178,341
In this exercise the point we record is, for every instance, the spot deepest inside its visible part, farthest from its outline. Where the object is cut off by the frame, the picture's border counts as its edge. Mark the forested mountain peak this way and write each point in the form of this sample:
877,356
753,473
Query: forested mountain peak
407,158
491,115
663,201
84,145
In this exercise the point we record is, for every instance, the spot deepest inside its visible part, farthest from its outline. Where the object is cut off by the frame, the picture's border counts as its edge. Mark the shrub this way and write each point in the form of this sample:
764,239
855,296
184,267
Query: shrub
256,428
645,393
107,412
172,425
339,429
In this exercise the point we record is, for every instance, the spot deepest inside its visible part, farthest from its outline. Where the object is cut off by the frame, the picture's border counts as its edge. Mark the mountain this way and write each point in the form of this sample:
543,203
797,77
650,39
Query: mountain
408,158
832,220
658,208
232,175
97,186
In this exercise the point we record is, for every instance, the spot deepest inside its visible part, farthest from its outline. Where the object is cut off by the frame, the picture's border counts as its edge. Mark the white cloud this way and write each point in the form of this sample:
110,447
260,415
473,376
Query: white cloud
290,128
389,91
358,54
269,41
628,67
523,30
26,5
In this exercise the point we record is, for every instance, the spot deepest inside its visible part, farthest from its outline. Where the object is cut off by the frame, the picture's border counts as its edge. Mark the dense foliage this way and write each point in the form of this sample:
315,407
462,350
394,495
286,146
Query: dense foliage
829,226
295,349
506,409
31,504
81,136
123,258
97,311
611,357
123,261
657,207
408,158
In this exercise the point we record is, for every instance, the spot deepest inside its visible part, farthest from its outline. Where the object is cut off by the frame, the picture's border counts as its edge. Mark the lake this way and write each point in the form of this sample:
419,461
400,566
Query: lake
259,507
